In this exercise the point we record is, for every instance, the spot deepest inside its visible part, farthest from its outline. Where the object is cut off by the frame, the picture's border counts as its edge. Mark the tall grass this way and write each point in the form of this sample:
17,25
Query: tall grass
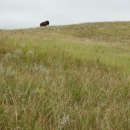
74,77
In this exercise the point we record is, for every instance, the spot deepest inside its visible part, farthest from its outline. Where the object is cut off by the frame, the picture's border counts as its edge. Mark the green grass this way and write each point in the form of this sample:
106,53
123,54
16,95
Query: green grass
73,77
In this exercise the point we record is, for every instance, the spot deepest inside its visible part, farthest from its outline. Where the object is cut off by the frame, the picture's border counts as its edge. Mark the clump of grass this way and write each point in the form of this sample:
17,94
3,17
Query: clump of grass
65,79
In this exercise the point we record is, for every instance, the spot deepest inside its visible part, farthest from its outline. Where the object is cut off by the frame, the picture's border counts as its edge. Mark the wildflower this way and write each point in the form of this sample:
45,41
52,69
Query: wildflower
63,121
18,52
30,53
8,56
10,72
40,90
23,45
40,68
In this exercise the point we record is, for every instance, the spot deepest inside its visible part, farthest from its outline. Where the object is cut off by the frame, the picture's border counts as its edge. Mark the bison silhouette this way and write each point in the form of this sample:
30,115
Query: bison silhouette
45,23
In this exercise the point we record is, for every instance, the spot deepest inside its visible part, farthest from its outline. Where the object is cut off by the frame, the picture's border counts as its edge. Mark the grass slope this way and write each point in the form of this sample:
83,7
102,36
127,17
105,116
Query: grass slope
74,77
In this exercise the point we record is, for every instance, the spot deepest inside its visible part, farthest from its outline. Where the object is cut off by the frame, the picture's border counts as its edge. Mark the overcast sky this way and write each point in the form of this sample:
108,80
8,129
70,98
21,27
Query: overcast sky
29,13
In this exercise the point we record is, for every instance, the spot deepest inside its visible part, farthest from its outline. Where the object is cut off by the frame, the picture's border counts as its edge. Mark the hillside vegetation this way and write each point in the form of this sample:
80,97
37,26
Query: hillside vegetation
72,77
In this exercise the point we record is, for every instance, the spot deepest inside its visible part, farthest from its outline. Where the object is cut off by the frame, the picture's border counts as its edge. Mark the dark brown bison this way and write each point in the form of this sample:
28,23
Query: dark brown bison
45,23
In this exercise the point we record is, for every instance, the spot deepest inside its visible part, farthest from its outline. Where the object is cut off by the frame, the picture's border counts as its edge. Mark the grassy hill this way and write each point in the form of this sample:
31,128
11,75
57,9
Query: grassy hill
72,77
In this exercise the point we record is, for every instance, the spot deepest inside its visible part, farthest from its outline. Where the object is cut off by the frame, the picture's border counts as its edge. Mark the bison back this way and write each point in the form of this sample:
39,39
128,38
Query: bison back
44,23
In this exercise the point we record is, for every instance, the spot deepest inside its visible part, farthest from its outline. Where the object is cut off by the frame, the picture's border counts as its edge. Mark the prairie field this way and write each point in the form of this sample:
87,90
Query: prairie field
71,77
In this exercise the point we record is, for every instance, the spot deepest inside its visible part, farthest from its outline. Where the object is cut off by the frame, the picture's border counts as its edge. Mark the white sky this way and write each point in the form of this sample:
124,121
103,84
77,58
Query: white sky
30,13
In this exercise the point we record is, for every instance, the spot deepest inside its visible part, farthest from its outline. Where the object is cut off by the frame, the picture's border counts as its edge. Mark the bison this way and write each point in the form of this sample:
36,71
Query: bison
45,23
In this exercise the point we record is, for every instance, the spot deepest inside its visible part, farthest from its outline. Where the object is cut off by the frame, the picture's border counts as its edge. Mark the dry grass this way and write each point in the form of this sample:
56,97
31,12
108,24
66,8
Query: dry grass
74,77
